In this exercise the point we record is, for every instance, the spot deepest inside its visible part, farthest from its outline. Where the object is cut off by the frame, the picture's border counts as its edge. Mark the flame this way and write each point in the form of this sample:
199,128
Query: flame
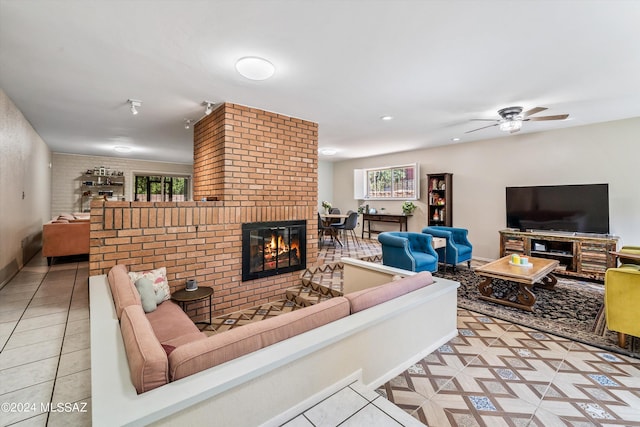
276,247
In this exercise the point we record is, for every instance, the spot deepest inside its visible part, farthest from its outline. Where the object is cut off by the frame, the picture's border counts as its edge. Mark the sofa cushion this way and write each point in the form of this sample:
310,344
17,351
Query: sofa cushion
148,364
122,289
169,322
216,349
366,298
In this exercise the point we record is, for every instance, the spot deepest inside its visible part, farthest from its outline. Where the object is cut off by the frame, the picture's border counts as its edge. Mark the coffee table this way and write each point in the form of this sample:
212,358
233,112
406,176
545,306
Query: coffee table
539,274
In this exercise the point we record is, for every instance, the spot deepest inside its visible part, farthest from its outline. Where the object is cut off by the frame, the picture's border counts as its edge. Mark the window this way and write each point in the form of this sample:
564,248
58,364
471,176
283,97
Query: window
395,182
157,188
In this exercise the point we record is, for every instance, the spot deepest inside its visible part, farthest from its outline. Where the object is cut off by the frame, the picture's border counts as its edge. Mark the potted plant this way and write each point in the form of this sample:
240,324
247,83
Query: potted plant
408,208
326,205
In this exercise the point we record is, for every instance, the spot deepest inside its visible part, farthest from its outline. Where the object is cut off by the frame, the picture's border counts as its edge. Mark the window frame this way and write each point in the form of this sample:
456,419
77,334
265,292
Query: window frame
392,169
165,180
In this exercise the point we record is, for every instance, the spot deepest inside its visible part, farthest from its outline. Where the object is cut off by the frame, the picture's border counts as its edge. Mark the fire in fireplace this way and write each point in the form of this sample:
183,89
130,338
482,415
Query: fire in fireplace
270,248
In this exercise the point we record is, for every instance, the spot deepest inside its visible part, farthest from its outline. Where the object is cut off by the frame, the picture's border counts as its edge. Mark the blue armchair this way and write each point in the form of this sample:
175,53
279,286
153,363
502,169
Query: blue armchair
408,251
458,247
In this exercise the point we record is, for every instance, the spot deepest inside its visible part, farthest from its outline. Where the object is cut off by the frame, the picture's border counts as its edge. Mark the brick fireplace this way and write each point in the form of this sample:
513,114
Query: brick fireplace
272,248
261,167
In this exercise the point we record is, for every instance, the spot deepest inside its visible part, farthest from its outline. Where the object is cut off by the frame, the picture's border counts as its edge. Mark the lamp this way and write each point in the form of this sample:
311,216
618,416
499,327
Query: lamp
187,123
511,125
134,103
208,107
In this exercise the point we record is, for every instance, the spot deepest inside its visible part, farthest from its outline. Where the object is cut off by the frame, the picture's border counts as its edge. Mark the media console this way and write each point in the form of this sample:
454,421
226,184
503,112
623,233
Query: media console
582,255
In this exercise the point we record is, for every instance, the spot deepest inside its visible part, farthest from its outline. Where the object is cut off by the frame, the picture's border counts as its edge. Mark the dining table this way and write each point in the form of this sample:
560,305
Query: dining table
327,218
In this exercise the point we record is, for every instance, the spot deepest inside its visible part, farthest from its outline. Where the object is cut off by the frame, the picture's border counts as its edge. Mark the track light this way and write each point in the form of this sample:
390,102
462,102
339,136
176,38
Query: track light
208,107
187,123
134,103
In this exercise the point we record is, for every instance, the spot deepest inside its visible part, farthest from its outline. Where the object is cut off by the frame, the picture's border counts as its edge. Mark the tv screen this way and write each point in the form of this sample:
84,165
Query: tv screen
572,208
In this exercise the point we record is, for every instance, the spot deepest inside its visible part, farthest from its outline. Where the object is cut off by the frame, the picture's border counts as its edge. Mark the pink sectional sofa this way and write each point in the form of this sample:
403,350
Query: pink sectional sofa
282,365
165,345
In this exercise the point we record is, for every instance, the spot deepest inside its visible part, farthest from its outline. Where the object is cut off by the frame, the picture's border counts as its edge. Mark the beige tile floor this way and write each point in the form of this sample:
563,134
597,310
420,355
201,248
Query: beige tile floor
45,365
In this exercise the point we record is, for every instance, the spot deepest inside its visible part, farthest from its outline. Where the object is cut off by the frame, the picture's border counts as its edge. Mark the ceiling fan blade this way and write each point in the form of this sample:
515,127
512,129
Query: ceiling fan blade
484,127
484,120
533,111
515,130
539,119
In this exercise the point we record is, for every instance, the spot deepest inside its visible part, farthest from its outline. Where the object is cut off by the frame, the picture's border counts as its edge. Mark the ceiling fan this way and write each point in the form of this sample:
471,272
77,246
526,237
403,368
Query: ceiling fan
512,118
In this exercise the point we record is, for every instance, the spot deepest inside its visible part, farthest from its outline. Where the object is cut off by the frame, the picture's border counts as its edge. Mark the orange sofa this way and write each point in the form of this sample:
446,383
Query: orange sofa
67,234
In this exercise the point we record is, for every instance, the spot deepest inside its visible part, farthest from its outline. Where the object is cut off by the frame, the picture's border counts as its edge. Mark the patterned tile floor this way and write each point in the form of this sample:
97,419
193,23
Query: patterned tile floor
497,373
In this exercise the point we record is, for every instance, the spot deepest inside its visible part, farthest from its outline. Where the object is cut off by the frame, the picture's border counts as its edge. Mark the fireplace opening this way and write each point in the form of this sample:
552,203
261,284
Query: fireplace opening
270,248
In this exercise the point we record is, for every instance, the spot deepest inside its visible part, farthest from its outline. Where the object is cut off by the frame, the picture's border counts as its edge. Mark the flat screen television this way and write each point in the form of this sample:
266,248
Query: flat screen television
571,208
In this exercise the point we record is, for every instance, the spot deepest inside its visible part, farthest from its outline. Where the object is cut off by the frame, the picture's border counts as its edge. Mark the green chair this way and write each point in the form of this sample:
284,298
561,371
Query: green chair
621,301
632,250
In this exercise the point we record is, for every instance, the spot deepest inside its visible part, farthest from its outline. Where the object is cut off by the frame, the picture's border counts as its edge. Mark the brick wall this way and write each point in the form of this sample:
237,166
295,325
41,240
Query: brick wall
262,166
250,157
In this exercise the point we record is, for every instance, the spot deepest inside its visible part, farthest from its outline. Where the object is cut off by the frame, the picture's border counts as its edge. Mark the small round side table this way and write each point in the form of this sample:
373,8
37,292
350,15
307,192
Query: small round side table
184,298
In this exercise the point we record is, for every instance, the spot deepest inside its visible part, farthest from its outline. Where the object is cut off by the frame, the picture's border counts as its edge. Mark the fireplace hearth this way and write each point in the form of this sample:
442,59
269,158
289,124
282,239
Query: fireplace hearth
271,248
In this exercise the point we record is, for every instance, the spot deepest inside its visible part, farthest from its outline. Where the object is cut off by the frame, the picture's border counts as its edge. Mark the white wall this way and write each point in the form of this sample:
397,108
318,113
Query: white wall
25,179
325,184
601,153
68,170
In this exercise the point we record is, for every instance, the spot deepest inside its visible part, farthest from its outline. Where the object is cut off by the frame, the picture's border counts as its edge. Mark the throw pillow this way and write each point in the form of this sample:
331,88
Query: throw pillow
168,348
161,296
158,277
147,294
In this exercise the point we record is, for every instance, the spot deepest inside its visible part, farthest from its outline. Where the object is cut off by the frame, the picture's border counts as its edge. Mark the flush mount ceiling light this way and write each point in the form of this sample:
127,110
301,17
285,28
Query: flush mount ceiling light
122,149
255,68
455,139
187,123
134,104
328,151
208,107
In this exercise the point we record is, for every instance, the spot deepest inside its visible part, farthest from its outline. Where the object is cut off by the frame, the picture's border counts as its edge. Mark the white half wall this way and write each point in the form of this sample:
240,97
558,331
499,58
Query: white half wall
601,153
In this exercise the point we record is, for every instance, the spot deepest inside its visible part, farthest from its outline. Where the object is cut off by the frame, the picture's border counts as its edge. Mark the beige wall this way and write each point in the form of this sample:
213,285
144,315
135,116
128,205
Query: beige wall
68,170
24,169
325,183
601,153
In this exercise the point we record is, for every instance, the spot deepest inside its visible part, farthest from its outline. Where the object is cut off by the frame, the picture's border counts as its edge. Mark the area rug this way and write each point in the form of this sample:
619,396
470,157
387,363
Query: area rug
573,309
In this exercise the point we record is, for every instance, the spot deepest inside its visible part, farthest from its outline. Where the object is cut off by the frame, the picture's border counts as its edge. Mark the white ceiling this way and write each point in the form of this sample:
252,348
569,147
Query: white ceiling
70,67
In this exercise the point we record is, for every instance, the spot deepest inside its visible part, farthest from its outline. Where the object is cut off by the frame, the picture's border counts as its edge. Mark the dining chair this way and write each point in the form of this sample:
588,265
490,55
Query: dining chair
323,229
349,224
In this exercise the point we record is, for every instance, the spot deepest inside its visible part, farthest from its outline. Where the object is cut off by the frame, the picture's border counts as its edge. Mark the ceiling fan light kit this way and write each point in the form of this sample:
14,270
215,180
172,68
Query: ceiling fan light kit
511,118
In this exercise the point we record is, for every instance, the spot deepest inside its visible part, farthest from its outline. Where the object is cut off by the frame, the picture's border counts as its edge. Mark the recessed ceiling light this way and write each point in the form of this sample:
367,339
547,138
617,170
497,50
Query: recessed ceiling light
386,118
122,149
455,139
255,68
328,151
